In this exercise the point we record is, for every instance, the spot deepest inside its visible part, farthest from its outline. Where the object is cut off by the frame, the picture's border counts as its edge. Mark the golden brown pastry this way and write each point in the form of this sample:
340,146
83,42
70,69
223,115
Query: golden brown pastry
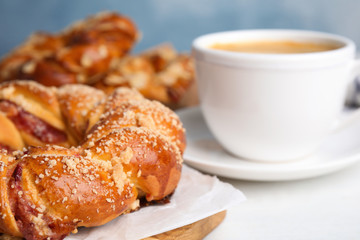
159,73
30,116
95,52
130,148
75,102
76,55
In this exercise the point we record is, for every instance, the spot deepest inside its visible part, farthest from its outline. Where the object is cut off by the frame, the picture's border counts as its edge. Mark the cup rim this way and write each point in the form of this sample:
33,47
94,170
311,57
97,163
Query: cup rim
202,52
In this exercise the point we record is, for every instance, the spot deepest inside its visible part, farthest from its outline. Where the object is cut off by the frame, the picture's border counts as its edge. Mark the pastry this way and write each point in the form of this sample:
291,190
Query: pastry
95,51
114,150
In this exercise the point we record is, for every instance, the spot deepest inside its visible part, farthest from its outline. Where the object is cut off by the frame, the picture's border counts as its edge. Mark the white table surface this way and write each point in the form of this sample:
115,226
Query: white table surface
326,207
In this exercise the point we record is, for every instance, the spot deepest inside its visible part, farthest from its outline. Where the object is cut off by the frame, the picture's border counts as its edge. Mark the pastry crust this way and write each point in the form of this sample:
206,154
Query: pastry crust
35,112
123,148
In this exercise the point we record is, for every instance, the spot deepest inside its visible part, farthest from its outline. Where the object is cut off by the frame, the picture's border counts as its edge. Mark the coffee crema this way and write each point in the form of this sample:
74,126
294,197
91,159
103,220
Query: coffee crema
277,47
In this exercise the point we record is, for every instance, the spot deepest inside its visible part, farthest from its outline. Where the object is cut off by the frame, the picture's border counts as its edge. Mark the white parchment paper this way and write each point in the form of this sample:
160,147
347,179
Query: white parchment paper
196,197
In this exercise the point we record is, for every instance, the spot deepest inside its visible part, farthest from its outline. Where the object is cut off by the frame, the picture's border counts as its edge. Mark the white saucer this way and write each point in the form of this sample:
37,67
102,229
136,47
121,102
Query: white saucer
204,153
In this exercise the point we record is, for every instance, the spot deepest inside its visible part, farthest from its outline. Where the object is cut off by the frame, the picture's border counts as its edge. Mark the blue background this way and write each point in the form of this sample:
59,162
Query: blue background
180,21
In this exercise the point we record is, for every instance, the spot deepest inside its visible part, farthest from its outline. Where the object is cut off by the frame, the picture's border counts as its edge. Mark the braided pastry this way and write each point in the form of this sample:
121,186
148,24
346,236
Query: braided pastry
79,53
93,52
123,148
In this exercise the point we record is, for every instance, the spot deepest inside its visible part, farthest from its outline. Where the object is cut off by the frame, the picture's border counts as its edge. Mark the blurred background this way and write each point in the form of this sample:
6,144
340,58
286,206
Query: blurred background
180,21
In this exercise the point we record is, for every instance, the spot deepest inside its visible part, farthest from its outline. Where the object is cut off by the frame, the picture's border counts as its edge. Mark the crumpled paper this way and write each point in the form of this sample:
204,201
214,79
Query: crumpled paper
196,197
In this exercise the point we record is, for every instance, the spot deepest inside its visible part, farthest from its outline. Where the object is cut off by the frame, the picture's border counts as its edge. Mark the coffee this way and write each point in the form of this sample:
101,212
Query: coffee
271,47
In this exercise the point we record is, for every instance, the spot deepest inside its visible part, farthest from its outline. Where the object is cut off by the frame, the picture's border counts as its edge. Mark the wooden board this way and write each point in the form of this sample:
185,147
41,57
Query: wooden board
194,231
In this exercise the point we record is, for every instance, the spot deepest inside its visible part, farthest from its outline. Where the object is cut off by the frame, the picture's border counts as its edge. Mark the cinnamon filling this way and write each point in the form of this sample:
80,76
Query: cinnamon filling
31,124
32,219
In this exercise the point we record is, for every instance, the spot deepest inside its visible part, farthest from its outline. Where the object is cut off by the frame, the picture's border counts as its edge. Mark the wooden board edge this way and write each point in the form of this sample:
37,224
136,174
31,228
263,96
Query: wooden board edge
195,231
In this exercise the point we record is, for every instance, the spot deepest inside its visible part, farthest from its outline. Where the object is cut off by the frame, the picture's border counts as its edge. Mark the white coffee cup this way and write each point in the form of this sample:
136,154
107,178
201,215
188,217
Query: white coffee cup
273,107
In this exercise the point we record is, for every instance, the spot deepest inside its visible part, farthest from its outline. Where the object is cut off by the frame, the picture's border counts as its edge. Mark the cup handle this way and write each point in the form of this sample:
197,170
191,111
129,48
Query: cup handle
354,115
355,68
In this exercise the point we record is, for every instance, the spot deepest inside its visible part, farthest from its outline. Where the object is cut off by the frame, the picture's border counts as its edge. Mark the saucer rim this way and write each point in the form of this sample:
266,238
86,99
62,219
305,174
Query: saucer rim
268,169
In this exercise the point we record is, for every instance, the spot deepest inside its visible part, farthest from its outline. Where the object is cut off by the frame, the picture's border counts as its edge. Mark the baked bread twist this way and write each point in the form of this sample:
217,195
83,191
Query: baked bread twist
93,52
123,148
74,55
